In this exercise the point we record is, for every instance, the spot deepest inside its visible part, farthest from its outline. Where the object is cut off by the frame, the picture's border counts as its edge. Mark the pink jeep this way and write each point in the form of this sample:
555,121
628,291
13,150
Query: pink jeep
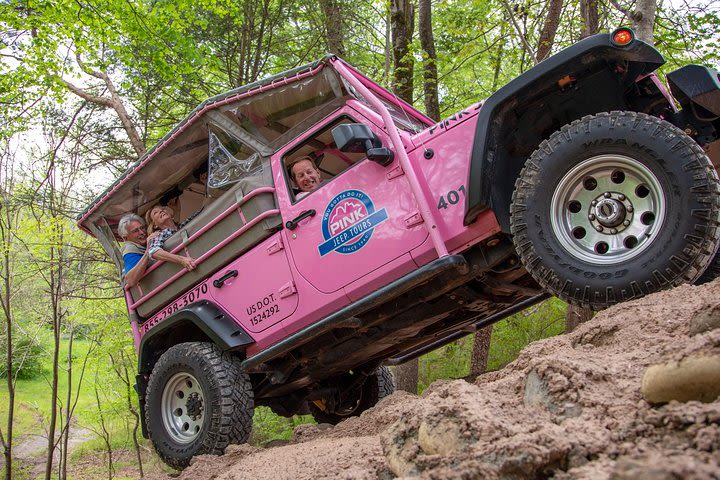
581,178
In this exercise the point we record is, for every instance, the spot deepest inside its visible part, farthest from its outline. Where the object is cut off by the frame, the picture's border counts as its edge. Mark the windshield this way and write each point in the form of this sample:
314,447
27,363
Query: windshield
401,118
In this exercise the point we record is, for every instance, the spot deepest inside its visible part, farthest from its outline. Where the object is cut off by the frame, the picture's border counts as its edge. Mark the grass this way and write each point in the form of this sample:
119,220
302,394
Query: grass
33,396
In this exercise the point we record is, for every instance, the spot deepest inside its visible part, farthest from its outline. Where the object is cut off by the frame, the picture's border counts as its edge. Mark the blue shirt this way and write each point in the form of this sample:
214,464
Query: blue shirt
130,260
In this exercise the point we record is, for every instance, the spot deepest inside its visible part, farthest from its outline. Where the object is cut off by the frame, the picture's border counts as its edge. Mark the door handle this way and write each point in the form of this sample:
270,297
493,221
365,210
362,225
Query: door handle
220,281
292,224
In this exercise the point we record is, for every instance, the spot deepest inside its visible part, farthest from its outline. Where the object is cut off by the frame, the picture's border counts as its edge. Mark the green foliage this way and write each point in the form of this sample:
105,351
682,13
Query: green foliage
28,358
514,333
509,337
268,426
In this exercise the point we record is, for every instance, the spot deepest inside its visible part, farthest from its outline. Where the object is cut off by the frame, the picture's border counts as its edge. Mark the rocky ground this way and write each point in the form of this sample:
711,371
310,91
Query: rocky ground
633,394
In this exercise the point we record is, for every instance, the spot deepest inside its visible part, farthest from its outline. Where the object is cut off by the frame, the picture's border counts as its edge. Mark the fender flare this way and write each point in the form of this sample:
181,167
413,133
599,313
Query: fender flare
484,190
216,324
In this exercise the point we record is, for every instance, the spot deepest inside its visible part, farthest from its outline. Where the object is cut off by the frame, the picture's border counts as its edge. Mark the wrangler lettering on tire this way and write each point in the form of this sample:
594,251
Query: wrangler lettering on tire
609,198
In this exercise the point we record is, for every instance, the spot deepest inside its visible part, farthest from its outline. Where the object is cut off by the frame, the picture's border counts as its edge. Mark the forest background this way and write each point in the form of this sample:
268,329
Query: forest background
86,87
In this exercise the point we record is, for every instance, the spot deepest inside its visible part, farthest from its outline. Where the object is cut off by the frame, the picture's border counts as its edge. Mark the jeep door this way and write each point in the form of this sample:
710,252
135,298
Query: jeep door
361,223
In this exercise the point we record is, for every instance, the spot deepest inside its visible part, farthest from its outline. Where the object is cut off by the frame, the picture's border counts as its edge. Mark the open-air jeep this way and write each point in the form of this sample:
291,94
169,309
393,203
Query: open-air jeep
582,178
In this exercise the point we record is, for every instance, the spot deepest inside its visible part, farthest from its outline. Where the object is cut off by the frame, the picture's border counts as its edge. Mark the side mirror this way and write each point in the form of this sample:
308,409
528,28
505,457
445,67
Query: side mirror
357,137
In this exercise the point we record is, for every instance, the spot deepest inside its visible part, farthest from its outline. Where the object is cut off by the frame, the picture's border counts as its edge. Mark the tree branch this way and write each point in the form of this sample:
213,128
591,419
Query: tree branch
86,96
114,102
524,41
615,4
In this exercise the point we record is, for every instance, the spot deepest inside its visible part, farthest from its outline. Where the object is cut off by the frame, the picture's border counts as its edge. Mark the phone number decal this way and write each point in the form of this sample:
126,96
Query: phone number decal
181,302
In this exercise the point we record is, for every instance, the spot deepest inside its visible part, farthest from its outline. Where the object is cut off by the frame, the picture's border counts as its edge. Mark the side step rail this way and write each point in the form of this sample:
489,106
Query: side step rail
441,342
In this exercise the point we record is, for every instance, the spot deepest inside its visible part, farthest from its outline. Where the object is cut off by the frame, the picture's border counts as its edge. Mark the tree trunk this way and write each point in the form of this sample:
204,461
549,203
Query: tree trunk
499,56
643,17
574,316
7,225
406,376
105,434
114,102
68,412
427,43
547,35
333,26
402,15
590,16
388,48
55,273
123,374
402,25
480,351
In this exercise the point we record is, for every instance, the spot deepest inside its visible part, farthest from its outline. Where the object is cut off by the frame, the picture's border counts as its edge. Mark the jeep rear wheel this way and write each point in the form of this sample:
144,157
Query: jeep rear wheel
613,207
352,403
197,402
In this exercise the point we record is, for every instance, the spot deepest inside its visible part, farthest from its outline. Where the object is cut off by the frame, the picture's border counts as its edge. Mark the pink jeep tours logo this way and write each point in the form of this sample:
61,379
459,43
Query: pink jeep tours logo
348,222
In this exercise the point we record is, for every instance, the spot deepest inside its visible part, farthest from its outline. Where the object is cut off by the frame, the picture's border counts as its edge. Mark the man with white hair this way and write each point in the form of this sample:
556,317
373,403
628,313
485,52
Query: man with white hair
134,234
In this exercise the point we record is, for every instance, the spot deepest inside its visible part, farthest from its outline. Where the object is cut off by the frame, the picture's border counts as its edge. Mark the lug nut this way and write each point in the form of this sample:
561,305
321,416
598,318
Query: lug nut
613,231
593,203
621,197
626,222
629,208
599,228
607,194
591,217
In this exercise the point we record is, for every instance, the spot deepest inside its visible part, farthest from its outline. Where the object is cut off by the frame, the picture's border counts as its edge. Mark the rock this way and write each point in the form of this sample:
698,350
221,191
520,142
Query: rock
696,377
400,446
279,442
537,392
440,437
705,319
307,432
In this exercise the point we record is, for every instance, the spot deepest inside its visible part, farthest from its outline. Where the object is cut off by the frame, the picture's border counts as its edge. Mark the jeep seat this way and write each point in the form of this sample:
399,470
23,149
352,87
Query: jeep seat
248,206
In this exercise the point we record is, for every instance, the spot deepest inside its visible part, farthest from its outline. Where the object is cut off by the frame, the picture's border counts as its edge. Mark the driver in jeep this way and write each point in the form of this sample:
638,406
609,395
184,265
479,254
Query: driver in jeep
305,175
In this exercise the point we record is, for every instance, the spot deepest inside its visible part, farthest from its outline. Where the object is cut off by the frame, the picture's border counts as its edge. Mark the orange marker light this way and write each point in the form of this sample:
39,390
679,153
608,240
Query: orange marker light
622,36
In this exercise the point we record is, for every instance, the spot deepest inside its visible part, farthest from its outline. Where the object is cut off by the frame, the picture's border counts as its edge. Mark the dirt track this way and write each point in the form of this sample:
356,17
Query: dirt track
569,407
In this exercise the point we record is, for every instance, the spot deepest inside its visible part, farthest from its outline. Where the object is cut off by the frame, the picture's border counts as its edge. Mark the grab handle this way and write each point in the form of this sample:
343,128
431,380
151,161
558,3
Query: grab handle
220,281
292,224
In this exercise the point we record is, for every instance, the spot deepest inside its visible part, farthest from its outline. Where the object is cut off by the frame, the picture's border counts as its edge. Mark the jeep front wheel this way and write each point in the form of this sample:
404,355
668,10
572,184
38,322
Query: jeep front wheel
613,207
197,402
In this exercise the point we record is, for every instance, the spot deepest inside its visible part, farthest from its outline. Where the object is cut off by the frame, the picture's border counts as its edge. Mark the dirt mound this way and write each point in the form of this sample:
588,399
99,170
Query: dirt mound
571,407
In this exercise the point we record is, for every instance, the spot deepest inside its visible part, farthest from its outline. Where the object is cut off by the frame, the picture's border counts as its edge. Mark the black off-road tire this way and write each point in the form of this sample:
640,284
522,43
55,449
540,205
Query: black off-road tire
377,386
197,402
712,272
640,171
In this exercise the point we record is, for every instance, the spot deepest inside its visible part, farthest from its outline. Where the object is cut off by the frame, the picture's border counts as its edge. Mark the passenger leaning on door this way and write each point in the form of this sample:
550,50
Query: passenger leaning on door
131,229
160,218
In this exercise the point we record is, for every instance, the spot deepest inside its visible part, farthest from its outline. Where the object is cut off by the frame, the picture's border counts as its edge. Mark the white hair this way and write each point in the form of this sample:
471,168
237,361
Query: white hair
126,221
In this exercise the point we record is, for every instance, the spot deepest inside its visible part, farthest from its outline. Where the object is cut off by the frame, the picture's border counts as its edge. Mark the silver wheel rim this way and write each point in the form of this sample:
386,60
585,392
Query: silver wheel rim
183,408
607,209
